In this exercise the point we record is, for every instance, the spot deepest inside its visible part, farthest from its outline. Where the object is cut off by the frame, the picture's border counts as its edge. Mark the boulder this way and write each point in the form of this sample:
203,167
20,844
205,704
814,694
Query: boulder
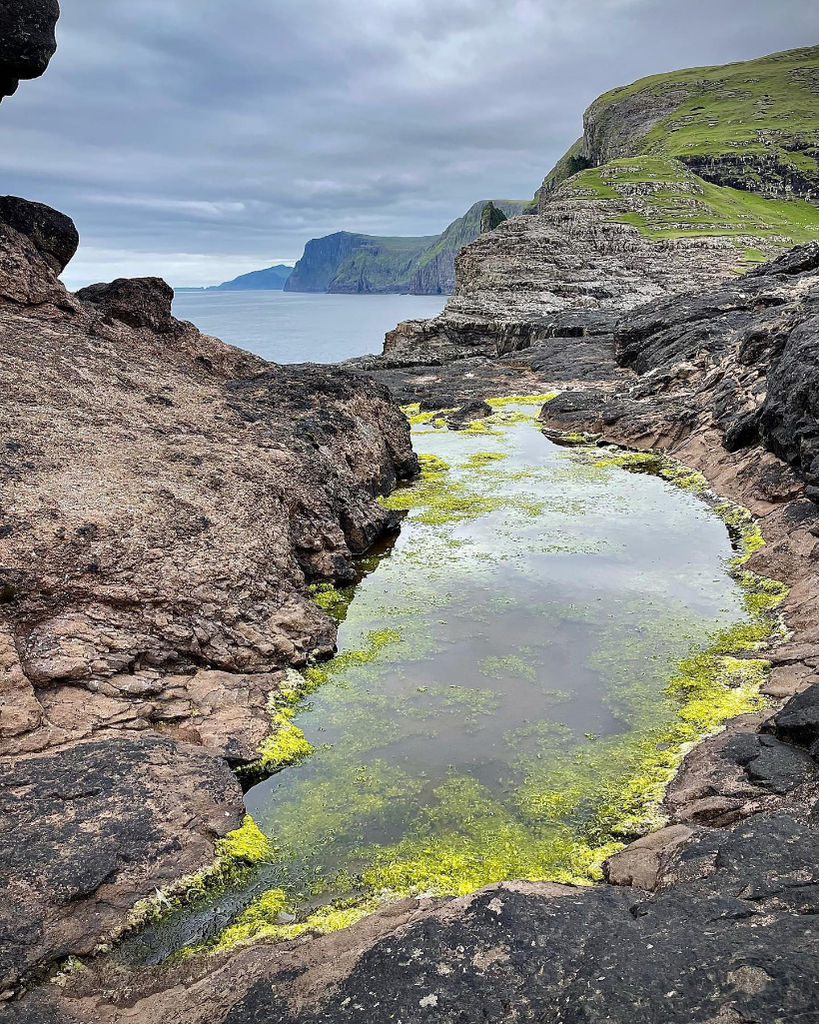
641,863
798,721
139,302
53,233
475,409
27,40
770,763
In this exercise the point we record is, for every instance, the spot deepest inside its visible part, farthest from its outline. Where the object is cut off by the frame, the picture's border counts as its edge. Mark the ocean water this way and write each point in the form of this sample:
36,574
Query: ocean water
296,327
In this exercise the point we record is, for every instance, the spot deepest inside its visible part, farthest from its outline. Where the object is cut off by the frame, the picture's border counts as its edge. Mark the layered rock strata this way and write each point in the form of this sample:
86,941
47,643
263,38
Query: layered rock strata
165,502
514,284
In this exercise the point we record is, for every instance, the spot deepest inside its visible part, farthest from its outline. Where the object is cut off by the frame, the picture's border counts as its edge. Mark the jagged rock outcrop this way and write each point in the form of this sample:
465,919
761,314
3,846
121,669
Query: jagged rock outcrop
165,500
513,281
491,217
27,41
53,234
143,302
36,243
89,826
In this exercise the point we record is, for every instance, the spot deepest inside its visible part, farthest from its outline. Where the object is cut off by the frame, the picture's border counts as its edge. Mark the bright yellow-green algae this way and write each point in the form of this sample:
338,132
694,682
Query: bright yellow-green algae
577,803
331,599
485,459
237,856
500,403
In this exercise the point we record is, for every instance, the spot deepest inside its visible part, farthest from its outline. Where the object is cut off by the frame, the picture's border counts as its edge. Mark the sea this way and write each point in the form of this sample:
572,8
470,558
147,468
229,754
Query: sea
298,327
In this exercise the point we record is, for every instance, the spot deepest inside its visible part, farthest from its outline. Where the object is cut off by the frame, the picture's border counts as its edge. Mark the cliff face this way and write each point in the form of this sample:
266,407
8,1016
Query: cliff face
368,264
322,257
165,500
435,272
678,179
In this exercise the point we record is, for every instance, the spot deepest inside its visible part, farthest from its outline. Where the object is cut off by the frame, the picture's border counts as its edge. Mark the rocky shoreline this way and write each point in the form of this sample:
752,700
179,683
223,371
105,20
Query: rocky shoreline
166,502
710,919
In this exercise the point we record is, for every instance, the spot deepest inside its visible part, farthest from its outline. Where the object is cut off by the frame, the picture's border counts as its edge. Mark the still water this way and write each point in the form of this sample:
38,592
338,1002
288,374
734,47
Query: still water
296,327
510,691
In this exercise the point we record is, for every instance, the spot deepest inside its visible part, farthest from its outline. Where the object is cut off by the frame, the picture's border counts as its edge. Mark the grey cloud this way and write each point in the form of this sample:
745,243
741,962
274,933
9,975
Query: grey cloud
200,138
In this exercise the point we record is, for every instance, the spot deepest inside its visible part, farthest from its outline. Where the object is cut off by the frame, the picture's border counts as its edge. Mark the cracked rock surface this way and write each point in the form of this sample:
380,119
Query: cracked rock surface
165,502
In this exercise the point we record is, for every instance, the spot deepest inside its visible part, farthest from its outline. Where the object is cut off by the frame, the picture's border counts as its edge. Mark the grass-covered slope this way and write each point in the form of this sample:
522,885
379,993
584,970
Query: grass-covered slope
753,125
663,199
731,150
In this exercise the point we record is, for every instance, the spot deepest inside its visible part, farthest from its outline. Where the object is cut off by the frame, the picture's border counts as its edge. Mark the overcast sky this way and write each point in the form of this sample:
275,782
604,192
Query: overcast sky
198,139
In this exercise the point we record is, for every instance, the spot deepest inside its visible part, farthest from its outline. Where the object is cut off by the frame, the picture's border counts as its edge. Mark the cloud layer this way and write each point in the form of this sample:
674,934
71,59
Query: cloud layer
198,139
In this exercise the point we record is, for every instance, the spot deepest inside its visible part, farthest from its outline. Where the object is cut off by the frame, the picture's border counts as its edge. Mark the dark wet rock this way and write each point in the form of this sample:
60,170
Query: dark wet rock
54,235
431,402
141,302
80,826
741,432
726,937
475,409
798,721
776,766
27,40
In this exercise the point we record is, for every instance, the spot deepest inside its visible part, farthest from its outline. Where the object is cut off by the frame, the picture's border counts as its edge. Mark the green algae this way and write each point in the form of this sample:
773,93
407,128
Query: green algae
499,403
498,667
564,795
237,856
485,459
332,599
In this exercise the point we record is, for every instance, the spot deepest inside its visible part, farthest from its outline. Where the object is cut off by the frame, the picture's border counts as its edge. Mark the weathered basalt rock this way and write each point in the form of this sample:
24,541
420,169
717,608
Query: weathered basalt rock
84,824
727,937
798,721
468,412
54,235
143,302
27,41
36,243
